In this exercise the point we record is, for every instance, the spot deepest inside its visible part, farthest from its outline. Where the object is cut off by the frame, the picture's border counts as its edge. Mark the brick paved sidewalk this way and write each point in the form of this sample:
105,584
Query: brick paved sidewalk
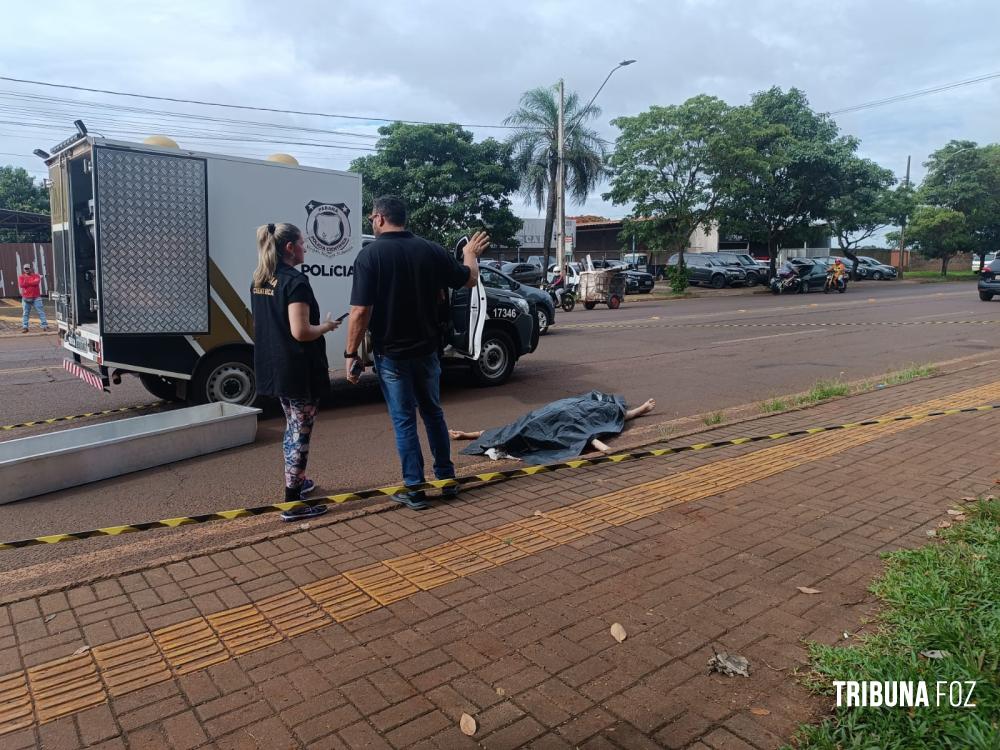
383,630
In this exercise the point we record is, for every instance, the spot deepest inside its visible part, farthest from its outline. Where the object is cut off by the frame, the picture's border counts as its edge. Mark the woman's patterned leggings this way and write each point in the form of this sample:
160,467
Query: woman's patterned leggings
300,414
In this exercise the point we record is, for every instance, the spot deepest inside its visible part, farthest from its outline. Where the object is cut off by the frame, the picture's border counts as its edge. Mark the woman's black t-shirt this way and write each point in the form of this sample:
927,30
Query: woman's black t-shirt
283,366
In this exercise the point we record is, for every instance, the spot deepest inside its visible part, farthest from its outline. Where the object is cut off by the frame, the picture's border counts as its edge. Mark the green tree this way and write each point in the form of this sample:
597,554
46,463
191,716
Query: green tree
938,232
668,164
535,151
788,168
18,191
451,185
966,178
864,206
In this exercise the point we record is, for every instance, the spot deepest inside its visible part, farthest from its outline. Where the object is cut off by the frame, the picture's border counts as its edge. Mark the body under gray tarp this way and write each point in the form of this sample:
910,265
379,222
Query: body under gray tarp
557,431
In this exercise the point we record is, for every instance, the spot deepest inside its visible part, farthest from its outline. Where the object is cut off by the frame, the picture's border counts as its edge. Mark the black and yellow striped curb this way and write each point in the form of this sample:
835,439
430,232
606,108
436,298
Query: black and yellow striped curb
53,420
647,323
485,478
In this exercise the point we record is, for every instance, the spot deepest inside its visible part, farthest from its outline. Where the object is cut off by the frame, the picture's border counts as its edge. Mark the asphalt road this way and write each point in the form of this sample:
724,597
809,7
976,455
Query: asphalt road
693,356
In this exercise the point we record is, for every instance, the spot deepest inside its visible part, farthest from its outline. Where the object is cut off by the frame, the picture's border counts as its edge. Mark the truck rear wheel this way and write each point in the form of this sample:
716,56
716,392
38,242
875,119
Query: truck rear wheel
497,359
225,376
163,388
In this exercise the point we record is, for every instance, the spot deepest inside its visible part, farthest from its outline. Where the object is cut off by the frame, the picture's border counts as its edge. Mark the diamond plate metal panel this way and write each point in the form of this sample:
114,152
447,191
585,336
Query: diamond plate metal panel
153,243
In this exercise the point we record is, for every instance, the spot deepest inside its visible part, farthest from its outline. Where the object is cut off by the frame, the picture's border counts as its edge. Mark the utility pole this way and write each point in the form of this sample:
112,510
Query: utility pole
560,183
902,226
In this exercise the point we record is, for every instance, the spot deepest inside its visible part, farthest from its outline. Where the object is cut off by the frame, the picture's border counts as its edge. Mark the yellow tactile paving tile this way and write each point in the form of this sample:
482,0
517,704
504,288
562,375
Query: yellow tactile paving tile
71,684
131,664
244,629
458,560
292,613
340,598
15,703
65,686
421,570
381,583
489,547
190,646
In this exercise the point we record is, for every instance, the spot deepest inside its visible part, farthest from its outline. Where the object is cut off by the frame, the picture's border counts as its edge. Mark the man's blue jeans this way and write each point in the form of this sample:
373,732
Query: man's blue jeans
39,306
409,385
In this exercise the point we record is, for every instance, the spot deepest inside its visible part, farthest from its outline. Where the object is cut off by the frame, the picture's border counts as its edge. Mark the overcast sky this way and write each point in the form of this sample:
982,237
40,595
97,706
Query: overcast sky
470,61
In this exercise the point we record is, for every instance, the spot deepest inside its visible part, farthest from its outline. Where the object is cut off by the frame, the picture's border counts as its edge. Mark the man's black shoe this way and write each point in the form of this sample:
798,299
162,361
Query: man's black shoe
411,500
449,492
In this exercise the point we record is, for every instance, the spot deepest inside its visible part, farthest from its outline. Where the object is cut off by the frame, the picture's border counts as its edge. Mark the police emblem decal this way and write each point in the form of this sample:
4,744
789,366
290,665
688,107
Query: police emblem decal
328,228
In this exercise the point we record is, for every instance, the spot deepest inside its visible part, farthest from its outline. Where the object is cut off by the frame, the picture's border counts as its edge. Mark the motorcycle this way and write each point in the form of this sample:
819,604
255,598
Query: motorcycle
788,283
832,282
568,299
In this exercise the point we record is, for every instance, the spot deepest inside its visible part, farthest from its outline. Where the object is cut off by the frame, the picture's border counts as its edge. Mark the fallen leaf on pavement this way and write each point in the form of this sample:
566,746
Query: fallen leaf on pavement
944,524
538,513
501,692
934,654
51,617
955,512
807,590
960,517
760,712
467,724
729,664
304,526
618,632
81,650
932,532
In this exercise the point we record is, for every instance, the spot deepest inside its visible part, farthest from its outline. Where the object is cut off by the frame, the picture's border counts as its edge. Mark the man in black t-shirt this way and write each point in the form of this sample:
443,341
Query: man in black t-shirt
399,280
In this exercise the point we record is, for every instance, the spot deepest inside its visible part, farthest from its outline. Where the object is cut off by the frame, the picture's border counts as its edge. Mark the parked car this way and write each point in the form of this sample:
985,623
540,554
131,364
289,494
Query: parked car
636,282
869,268
545,311
510,331
812,271
705,269
572,275
755,273
989,283
526,273
990,257
495,264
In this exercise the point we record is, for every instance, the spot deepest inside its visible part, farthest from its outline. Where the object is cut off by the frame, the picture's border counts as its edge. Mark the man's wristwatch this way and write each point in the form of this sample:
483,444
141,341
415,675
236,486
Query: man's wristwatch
349,355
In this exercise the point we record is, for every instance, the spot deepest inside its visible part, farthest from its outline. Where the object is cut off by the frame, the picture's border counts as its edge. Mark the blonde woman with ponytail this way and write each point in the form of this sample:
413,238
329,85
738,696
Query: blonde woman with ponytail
289,352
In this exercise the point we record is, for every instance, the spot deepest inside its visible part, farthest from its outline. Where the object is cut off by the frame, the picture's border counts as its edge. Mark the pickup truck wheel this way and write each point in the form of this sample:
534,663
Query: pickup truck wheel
986,296
752,279
161,387
226,376
718,281
496,361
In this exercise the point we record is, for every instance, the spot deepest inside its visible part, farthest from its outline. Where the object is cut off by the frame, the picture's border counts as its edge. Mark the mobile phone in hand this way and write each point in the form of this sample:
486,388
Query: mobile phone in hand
343,316
357,367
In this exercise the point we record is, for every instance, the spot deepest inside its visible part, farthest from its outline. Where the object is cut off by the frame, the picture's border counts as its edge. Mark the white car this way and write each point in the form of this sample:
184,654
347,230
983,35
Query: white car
990,257
572,275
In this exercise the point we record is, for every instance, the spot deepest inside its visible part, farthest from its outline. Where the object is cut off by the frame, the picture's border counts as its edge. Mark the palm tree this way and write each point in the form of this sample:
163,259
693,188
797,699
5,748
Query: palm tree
534,147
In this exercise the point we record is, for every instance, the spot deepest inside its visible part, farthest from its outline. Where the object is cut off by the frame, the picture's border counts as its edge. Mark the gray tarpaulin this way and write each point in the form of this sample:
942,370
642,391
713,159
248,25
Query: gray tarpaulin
557,431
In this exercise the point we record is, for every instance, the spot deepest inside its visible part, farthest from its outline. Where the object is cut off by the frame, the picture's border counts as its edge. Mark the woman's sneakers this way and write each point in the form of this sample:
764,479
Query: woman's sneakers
305,511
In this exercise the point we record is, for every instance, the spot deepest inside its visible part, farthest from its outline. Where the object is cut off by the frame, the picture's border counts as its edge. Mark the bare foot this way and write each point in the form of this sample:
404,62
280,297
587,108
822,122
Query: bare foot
462,435
643,408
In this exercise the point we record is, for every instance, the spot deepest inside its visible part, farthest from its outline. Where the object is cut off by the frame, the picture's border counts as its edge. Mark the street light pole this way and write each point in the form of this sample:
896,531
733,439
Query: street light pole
561,163
560,182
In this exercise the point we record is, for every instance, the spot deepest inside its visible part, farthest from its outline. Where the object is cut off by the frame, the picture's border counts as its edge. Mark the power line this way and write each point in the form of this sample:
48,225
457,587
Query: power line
240,106
914,94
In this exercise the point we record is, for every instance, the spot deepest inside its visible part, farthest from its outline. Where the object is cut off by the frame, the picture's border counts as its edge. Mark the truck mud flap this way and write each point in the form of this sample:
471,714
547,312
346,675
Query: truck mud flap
100,382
